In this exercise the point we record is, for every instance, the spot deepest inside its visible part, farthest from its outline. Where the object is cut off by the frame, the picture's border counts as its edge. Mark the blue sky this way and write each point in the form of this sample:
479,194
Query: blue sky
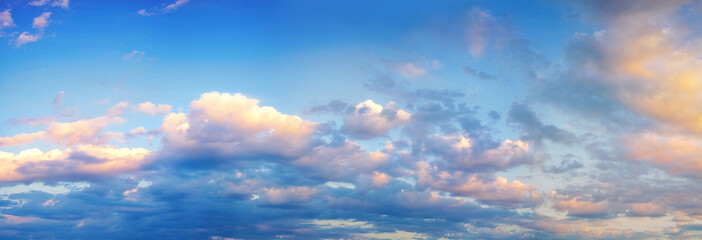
206,119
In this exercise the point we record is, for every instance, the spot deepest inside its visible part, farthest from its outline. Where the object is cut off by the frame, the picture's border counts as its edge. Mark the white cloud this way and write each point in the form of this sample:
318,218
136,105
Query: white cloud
167,8
175,5
84,160
25,38
152,109
55,3
117,109
42,21
237,125
6,19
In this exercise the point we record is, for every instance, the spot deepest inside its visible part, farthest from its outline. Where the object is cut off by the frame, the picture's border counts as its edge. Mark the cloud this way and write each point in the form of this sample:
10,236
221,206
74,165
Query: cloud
576,206
79,132
143,12
42,21
70,164
58,100
20,139
341,162
533,129
677,155
151,109
167,8
370,120
408,69
6,20
235,125
288,195
480,25
54,3
460,152
117,109
25,38
478,74
134,55
175,5
568,163
497,191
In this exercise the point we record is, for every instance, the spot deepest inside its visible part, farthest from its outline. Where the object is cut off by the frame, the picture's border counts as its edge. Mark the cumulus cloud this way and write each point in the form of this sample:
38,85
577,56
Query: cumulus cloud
152,109
497,191
72,163
460,152
236,125
342,162
369,120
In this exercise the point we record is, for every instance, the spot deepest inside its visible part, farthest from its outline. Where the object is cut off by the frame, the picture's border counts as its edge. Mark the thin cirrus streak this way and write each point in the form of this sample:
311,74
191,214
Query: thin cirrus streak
337,120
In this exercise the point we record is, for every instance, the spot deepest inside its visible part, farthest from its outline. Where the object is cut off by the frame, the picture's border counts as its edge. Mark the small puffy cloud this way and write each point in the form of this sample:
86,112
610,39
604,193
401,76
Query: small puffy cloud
79,162
26,37
117,109
370,120
55,3
42,21
6,19
152,109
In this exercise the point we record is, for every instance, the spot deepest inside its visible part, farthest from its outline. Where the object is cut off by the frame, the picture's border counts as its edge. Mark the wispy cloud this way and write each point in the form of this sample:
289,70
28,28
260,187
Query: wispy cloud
136,55
167,8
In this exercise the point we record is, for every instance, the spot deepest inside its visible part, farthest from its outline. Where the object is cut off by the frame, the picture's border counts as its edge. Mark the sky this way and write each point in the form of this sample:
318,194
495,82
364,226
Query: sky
242,119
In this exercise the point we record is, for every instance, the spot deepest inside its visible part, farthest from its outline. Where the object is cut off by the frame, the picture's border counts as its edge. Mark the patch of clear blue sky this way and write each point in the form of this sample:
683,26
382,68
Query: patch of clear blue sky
289,54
